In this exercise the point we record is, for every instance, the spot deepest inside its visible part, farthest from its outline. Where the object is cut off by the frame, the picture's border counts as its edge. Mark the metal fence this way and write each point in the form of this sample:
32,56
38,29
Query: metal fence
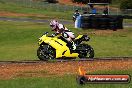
126,12
63,8
45,5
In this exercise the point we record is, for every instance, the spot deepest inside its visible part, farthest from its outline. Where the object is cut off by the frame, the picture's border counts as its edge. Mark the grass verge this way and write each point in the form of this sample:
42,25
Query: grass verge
10,7
67,81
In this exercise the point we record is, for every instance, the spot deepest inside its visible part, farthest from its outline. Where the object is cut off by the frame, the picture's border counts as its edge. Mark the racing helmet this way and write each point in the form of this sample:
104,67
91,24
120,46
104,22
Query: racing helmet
54,24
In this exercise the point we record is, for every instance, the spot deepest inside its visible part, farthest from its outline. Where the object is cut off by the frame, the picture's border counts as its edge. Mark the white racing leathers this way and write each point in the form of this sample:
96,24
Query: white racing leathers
67,34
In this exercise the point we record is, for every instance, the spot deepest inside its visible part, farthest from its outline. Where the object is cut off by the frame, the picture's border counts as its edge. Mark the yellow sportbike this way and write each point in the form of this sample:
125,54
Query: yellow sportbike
56,47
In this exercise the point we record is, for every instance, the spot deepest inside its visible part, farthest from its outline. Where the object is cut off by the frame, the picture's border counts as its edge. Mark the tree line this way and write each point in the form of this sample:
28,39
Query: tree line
124,4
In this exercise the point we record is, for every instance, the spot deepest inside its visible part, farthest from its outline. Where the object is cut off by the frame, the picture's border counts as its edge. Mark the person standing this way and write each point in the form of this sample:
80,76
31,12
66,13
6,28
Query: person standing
75,15
105,11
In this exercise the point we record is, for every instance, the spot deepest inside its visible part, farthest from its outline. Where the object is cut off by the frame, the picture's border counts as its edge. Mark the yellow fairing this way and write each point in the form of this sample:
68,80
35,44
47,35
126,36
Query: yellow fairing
60,46
79,36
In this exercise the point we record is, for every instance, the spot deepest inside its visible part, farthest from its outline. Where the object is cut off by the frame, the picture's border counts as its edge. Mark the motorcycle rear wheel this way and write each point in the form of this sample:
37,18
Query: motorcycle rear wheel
46,52
88,53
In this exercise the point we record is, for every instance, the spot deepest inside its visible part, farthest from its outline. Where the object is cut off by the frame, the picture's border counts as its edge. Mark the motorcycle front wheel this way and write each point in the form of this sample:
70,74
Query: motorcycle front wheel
46,52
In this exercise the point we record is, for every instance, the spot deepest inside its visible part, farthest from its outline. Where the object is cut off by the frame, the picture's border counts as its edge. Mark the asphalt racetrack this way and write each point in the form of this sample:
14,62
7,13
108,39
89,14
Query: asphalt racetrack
44,21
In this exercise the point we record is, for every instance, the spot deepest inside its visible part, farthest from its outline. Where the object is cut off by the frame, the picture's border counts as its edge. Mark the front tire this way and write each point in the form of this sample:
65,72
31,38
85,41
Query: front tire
46,52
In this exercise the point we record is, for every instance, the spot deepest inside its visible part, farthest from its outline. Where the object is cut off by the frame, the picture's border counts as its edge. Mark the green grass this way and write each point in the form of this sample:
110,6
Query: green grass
112,46
115,44
67,81
18,41
10,7
129,21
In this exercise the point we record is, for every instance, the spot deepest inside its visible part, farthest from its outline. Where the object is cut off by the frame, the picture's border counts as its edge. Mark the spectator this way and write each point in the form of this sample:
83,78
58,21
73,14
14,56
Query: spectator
75,15
105,11
93,10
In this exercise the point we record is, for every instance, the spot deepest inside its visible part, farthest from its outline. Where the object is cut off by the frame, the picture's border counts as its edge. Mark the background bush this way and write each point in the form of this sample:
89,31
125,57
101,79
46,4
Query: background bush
92,1
80,1
52,1
126,4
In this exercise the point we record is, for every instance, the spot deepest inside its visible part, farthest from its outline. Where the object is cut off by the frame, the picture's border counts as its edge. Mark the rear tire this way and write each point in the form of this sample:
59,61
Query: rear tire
91,52
88,52
46,52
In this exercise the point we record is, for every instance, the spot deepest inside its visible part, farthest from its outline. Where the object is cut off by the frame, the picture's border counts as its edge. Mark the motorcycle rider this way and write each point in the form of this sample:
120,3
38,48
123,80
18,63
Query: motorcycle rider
66,33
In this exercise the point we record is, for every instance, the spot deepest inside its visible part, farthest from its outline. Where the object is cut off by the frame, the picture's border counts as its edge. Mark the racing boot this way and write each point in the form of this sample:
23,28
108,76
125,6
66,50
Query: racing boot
73,45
